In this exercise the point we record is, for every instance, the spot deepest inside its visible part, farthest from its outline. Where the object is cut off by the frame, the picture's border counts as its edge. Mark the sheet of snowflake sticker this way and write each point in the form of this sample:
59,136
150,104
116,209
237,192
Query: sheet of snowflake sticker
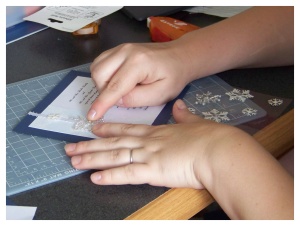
214,99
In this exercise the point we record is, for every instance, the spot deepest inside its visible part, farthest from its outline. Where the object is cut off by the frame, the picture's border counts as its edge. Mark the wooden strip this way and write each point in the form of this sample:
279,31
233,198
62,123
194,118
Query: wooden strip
278,137
184,203
175,204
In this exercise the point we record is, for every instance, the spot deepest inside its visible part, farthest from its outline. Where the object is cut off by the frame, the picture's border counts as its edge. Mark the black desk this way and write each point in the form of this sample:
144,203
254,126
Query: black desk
52,50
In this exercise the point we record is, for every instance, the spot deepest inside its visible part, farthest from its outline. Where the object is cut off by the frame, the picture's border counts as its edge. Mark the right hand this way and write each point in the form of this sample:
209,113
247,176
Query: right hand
134,75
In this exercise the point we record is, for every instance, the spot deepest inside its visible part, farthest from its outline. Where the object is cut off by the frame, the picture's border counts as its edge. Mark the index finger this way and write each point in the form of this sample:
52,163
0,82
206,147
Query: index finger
119,85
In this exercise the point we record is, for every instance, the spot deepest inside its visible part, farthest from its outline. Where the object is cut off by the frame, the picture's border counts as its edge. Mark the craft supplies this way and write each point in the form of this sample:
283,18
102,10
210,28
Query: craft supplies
163,29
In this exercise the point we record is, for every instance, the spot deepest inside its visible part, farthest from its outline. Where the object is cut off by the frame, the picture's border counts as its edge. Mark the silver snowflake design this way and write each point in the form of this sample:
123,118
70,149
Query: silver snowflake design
207,98
237,94
249,111
192,110
83,124
275,102
79,122
53,116
216,115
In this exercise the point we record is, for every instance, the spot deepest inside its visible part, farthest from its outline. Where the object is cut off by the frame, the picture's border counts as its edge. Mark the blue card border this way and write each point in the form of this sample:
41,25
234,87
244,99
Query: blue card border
23,126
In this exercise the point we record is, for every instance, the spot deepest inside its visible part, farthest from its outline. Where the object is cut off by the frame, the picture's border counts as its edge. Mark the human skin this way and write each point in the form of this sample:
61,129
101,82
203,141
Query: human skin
245,180
148,74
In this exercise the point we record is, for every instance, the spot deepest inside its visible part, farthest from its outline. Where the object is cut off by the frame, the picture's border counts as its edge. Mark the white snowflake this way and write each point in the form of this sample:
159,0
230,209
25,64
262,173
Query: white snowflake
83,124
249,111
237,94
206,98
216,115
192,110
275,102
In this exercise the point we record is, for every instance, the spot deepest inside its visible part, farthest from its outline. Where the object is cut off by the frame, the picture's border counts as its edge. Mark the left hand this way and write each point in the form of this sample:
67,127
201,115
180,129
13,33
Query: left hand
166,155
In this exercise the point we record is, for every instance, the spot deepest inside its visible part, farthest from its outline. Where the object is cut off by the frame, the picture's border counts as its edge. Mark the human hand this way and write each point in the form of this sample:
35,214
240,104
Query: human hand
134,75
166,155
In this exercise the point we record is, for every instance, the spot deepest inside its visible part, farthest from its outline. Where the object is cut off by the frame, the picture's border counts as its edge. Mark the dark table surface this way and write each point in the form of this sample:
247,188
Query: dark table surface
52,50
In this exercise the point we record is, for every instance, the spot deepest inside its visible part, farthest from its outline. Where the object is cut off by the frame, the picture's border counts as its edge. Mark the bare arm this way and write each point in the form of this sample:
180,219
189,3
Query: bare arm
245,180
150,74
258,37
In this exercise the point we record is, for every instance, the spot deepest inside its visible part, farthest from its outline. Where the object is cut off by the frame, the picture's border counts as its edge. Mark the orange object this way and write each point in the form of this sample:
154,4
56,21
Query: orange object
89,29
163,29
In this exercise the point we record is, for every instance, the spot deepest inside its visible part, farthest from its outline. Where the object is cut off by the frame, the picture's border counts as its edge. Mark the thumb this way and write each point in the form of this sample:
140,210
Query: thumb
181,113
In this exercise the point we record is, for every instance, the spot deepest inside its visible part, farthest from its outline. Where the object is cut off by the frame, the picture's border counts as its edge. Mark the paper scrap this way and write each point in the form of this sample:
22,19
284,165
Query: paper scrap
221,11
70,18
20,212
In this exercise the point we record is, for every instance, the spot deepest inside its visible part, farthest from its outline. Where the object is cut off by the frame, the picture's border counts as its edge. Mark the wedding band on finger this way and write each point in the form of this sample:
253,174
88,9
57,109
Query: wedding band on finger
131,158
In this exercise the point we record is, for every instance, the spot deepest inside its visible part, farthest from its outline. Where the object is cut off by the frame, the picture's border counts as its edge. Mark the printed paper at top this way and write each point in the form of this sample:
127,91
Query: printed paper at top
70,18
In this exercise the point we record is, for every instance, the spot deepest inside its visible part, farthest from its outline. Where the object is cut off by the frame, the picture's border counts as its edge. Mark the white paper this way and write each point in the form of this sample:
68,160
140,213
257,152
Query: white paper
20,212
70,18
75,101
221,11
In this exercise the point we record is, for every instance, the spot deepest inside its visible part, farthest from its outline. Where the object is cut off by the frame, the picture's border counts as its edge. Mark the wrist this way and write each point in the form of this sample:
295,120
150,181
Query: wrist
216,155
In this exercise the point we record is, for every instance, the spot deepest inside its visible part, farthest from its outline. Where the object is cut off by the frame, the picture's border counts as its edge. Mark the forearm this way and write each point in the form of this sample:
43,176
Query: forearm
245,180
258,37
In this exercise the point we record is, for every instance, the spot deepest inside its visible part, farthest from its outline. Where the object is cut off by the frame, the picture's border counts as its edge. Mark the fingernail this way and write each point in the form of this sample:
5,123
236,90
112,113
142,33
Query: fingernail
76,160
180,104
96,177
91,114
70,147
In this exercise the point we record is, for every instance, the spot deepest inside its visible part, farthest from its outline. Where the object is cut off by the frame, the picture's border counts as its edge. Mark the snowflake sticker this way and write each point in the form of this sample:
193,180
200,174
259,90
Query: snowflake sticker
249,111
207,98
216,115
237,94
192,110
275,102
